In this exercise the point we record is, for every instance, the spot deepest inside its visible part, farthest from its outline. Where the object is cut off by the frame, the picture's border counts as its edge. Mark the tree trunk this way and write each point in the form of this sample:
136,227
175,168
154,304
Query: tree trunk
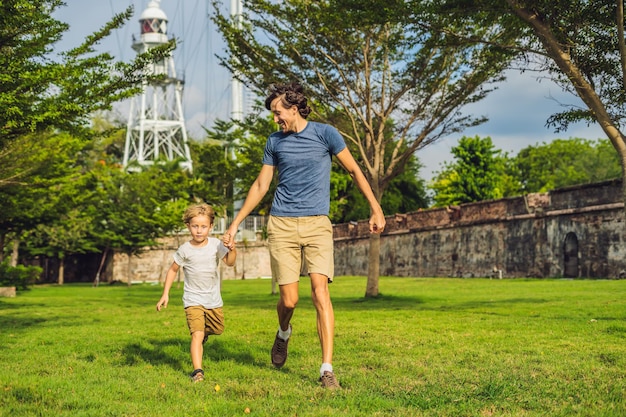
61,279
2,237
584,89
373,270
96,281
128,272
623,160
15,252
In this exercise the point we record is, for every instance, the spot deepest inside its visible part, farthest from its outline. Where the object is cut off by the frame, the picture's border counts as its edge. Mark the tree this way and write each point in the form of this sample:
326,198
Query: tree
129,210
38,167
367,63
478,172
579,44
69,234
562,163
132,210
406,193
43,89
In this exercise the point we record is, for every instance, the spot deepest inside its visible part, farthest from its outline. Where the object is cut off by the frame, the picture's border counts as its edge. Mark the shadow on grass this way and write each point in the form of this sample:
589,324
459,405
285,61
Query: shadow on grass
398,302
260,300
174,353
16,321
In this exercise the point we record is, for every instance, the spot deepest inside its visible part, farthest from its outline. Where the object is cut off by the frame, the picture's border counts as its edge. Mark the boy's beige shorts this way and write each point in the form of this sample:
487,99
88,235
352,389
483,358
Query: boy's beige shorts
207,320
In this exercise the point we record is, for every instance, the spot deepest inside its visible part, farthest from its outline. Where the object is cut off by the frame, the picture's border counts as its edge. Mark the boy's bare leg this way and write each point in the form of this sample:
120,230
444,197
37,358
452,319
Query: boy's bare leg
196,349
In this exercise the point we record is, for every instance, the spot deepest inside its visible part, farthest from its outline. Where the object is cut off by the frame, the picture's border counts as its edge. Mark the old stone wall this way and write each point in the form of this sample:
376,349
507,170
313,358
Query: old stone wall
571,232
152,264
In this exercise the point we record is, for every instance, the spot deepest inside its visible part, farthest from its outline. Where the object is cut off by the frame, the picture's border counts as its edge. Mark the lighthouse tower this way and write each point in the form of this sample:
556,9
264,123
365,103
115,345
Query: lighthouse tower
156,125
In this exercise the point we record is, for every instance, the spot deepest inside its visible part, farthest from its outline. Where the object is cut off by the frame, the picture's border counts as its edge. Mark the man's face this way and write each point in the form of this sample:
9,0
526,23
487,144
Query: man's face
285,117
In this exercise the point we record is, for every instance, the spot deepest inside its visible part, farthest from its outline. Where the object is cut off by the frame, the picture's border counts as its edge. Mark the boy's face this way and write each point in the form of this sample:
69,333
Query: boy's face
199,226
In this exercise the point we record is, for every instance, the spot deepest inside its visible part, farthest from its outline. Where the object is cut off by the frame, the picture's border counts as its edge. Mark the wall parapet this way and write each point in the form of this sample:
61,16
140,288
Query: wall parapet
595,197
571,232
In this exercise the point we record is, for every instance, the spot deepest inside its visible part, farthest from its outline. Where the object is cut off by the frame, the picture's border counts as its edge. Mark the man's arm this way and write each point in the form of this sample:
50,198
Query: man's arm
257,191
377,219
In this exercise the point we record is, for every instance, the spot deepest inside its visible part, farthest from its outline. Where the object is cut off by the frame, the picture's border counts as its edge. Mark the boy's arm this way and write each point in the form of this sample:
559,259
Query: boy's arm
230,258
377,219
169,280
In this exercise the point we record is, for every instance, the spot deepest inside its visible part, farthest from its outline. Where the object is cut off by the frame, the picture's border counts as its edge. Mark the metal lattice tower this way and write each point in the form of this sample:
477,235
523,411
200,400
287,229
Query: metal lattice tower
156,124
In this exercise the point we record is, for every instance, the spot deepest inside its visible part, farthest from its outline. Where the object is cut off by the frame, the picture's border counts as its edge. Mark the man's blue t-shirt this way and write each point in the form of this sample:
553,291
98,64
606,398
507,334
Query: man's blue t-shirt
303,161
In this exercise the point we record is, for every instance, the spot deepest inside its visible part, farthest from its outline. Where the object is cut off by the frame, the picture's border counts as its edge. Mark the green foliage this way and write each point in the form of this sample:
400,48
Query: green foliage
519,347
585,30
578,44
20,276
562,163
478,172
39,170
363,65
481,172
41,87
405,193
131,210
231,159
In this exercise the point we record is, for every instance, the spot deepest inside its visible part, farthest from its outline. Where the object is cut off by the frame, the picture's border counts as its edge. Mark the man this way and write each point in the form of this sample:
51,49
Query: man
299,228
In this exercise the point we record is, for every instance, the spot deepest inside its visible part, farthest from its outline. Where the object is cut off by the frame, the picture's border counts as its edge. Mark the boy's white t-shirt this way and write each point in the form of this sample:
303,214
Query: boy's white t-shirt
200,266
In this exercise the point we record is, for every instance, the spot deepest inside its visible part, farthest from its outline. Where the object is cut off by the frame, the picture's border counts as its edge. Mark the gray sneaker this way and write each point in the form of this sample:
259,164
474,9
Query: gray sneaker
279,351
329,380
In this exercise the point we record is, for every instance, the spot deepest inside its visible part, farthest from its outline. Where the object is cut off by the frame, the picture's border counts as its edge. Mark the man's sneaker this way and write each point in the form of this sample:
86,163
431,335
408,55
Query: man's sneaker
329,380
279,351
197,375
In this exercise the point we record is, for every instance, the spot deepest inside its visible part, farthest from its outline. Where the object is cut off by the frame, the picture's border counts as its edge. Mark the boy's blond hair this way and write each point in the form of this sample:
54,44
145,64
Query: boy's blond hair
199,210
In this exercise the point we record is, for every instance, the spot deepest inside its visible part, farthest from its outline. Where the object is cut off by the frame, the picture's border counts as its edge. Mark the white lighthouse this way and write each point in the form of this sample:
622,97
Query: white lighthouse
156,125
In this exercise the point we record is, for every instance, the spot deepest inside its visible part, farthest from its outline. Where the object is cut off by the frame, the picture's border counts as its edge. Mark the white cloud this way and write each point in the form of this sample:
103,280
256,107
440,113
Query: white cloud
517,113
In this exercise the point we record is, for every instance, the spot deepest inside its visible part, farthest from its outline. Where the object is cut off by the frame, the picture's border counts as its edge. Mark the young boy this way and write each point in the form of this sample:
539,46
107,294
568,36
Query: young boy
202,298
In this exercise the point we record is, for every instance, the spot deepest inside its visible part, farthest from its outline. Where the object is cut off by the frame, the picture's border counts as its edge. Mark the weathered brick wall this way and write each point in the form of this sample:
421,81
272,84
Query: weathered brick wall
153,263
516,237
521,237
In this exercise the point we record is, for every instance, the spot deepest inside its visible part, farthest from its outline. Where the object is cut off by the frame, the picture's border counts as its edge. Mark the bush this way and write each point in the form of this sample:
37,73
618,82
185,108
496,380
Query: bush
19,276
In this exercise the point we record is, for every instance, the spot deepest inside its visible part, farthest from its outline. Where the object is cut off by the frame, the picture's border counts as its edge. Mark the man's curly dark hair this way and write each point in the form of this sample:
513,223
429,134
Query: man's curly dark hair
291,94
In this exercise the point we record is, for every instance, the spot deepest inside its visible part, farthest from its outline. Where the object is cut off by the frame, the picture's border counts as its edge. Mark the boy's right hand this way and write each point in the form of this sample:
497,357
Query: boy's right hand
162,302
229,238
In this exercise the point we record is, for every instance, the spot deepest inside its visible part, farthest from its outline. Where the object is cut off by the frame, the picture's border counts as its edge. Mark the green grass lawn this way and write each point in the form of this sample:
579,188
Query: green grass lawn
426,347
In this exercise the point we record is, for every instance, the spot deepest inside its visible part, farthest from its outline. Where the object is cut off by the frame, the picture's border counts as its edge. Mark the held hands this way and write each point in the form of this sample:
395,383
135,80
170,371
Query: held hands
229,238
377,223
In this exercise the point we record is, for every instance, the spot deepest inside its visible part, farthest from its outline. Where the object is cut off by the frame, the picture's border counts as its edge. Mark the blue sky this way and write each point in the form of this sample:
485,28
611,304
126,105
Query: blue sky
517,110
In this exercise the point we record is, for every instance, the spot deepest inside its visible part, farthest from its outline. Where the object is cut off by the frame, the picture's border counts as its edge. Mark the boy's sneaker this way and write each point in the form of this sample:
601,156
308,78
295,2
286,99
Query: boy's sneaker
279,351
197,375
329,380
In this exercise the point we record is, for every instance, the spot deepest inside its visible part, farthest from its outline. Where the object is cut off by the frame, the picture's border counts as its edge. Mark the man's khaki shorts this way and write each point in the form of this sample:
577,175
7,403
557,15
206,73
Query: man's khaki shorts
207,320
295,242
